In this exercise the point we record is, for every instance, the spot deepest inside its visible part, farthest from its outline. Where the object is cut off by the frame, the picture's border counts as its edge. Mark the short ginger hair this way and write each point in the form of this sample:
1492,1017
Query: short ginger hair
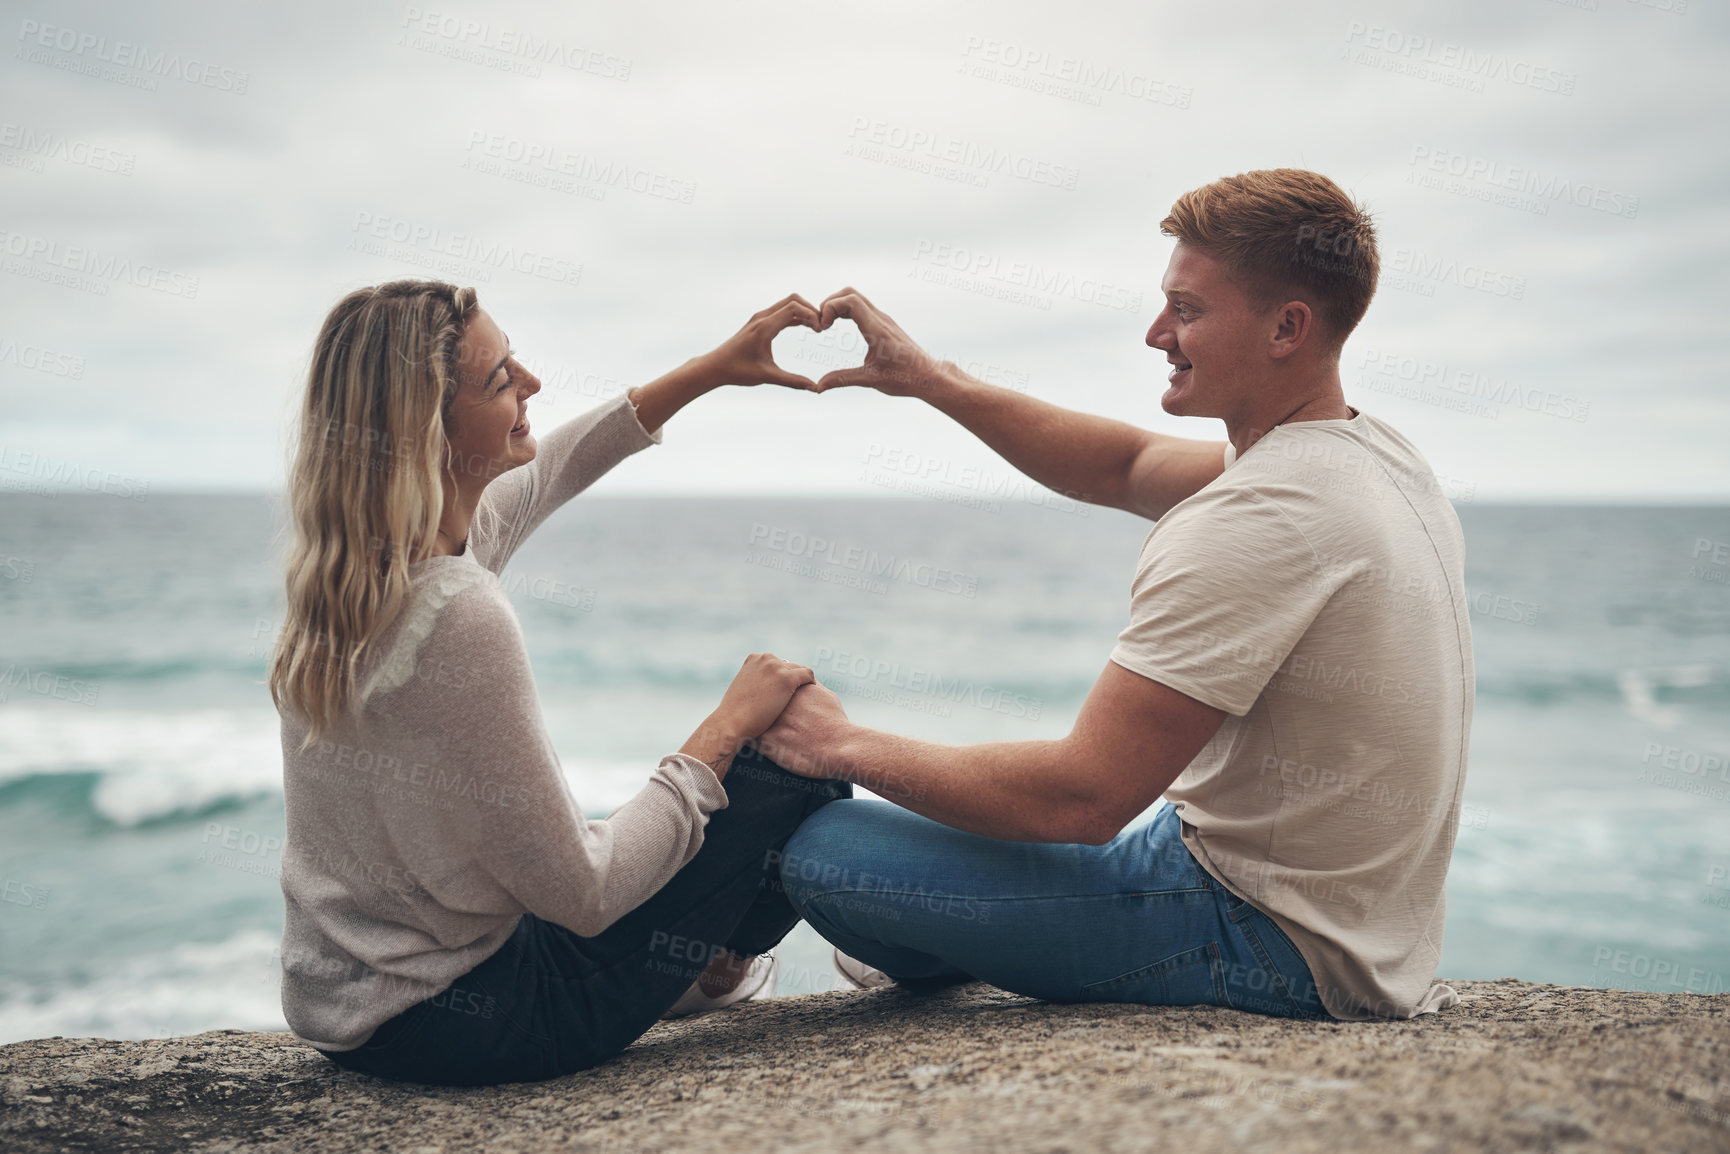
1286,234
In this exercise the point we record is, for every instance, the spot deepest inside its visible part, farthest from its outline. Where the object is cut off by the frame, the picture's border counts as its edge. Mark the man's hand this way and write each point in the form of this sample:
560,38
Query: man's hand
894,363
1131,740
806,739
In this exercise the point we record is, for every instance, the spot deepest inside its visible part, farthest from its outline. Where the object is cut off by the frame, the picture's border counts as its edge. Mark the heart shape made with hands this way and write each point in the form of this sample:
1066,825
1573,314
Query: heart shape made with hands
798,349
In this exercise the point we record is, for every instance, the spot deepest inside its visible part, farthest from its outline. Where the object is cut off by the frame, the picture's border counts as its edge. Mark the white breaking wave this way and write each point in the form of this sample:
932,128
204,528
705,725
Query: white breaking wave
1641,701
232,984
153,764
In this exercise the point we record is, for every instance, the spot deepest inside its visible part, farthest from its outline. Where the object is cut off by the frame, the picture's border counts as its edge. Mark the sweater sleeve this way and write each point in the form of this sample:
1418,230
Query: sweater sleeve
567,460
507,834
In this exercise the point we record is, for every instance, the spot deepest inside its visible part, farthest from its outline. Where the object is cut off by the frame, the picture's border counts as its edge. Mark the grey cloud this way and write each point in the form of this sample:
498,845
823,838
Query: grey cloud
755,106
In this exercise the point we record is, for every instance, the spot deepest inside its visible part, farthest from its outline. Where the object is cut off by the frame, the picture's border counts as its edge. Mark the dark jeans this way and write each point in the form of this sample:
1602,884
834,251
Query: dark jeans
550,1002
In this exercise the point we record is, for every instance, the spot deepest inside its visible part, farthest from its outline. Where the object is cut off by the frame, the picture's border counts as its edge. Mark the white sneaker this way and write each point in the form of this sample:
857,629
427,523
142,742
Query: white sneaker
758,982
859,975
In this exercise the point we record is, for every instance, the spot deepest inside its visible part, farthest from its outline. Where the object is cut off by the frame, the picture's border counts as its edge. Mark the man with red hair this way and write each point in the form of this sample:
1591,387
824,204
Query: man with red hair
1295,678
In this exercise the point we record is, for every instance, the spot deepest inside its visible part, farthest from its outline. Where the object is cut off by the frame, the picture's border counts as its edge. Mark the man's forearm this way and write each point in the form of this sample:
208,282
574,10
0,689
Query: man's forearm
1014,790
1085,457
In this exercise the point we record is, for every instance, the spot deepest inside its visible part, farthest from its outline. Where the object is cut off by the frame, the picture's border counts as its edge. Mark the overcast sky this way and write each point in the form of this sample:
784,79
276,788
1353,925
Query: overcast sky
189,188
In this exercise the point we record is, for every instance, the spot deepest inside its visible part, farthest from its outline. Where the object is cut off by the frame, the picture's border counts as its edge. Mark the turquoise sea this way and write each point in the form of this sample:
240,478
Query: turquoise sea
140,800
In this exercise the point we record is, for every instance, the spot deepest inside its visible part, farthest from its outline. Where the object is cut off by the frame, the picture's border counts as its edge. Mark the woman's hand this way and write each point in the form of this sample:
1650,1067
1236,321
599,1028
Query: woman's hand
759,692
745,358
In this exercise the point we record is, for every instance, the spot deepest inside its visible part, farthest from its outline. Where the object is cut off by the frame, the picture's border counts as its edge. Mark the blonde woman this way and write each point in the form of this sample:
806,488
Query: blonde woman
452,917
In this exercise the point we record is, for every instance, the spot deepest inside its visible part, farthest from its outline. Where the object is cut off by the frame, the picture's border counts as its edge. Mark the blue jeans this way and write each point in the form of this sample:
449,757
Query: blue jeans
1137,920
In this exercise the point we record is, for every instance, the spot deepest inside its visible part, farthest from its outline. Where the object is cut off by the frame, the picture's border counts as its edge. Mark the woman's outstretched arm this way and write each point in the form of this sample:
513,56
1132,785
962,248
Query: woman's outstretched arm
579,452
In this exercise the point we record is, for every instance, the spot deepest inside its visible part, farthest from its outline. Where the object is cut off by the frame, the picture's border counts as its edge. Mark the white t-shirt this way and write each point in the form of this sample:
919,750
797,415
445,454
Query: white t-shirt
1315,592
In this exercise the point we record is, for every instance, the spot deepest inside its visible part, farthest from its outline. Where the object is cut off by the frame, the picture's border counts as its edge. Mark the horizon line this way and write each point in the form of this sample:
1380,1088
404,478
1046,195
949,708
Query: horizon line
1647,501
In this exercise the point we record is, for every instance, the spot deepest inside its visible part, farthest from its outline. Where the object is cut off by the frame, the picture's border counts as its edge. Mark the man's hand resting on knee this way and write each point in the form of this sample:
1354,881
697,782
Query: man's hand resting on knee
806,738
1131,740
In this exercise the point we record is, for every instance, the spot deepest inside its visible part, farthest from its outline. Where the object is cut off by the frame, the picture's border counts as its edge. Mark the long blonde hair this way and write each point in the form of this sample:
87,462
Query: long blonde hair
365,484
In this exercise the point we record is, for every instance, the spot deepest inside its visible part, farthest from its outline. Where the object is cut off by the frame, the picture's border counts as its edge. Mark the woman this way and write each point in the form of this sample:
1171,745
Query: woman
452,917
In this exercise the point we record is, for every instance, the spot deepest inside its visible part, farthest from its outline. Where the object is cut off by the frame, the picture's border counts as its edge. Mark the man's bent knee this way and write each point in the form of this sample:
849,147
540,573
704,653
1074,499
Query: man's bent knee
836,848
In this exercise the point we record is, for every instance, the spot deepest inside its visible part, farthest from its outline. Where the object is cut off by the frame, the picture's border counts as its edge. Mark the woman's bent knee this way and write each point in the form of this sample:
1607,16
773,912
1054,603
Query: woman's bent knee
754,776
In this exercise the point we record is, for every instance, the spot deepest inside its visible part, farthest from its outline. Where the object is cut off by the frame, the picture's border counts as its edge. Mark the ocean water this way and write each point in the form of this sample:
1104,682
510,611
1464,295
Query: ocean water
140,801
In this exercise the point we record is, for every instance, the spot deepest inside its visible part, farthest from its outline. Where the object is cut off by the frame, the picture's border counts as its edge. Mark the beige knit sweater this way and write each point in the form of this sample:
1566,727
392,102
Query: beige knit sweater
425,825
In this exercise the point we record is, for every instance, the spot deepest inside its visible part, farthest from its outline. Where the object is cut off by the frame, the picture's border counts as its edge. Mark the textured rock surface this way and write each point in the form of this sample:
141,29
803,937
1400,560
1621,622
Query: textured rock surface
1515,1067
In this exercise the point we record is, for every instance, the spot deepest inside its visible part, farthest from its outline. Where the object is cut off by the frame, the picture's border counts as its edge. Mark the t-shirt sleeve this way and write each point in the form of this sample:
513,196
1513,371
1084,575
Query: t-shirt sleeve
1225,588
509,815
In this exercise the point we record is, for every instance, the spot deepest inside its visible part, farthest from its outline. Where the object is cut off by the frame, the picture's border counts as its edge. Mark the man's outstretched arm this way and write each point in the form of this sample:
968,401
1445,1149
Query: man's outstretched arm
1090,458
1130,741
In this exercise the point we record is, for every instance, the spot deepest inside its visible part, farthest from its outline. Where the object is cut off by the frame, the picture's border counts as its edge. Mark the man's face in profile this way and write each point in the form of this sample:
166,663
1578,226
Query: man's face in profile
1210,333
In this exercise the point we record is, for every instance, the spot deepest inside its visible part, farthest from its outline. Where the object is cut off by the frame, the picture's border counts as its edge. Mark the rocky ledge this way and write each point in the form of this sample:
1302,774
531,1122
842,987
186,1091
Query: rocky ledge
1515,1067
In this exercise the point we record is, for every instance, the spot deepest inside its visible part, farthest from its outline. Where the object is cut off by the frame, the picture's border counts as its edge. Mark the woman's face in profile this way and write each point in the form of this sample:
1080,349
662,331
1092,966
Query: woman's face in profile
488,429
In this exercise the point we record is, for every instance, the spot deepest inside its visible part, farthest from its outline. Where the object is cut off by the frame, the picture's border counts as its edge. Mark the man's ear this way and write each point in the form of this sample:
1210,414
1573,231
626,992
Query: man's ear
1294,326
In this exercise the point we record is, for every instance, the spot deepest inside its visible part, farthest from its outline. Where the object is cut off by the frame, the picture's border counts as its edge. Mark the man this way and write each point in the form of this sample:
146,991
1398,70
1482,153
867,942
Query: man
1295,678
